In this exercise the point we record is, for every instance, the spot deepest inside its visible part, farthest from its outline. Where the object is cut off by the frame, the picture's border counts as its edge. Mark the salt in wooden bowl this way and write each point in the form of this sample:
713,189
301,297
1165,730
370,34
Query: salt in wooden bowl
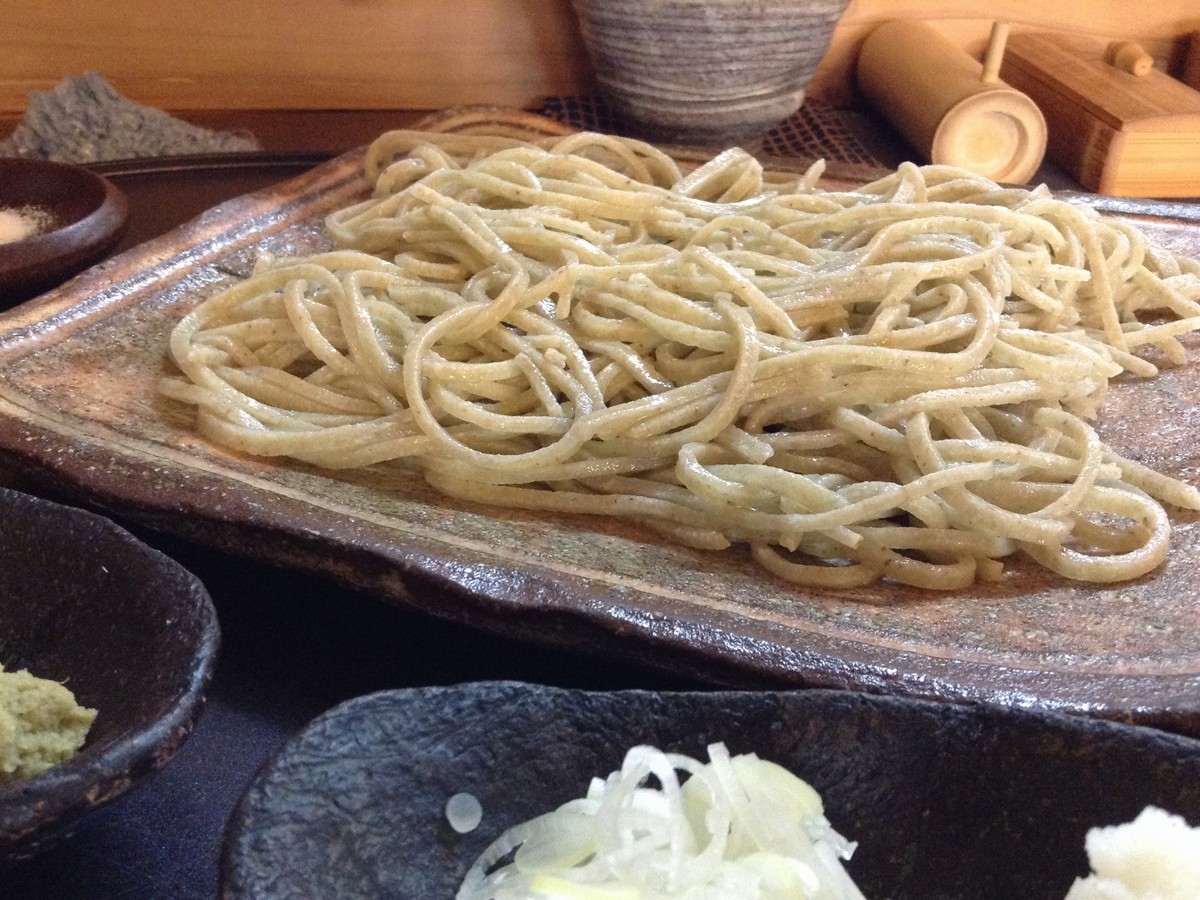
76,217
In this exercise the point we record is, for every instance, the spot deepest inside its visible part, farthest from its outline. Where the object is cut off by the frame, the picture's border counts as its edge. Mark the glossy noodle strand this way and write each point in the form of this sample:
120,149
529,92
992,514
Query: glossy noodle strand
894,382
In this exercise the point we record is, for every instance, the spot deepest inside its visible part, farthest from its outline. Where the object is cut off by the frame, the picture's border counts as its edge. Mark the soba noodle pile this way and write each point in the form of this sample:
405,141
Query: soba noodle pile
891,382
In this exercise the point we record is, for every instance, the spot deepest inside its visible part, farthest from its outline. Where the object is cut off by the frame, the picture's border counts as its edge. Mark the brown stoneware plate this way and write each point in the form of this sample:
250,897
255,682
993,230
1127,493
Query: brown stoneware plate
127,629
79,410
946,801
79,217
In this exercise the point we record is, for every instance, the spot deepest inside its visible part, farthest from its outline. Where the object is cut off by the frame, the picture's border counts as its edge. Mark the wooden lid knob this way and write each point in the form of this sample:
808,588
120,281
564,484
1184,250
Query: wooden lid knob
1128,56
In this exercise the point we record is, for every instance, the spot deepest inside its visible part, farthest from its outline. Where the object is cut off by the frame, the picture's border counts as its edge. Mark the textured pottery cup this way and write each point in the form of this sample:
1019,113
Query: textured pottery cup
707,72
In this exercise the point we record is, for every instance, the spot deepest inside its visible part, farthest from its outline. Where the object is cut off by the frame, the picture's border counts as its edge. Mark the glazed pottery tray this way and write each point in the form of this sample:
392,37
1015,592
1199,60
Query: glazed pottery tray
79,412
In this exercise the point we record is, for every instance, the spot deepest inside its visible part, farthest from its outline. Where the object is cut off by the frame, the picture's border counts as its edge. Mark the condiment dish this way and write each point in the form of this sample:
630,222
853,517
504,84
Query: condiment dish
80,217
127,629
945,800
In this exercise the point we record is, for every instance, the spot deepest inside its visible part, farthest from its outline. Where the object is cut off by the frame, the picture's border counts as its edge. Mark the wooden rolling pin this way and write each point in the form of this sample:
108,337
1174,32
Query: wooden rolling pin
952,108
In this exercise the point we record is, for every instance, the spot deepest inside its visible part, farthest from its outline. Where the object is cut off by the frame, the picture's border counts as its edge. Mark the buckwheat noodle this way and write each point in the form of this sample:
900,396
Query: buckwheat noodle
894,382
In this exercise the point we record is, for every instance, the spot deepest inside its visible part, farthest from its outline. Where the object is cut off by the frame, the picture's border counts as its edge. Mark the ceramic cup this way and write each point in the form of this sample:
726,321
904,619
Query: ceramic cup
706,72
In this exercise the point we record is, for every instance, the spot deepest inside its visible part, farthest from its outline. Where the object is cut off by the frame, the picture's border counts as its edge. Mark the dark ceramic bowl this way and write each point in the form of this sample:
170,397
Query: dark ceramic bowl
946,801
130,631
85,218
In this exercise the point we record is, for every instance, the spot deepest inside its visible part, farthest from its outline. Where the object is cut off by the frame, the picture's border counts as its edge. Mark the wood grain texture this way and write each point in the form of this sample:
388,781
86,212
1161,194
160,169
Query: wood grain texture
941,100
426,54
1160,27
1117,133
304,54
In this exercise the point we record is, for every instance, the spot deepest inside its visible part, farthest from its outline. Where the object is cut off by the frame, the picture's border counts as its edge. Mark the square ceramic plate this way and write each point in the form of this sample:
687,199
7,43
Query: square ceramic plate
79,409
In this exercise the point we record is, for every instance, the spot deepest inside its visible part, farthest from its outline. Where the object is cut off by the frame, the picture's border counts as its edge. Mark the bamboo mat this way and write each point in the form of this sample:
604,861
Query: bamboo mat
815,130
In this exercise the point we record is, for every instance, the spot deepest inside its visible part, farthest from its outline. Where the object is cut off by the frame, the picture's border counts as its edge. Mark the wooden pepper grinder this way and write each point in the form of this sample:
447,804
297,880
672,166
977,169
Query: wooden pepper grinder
953,109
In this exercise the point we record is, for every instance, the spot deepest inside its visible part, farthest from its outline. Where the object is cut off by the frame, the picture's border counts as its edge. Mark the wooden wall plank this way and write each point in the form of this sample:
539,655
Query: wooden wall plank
426,54
311,54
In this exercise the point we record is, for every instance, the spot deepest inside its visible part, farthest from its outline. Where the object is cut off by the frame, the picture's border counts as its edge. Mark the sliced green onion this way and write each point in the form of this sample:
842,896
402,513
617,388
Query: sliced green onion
736,828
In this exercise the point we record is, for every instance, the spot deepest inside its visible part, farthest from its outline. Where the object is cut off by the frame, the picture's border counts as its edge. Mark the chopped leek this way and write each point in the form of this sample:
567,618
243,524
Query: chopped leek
735,828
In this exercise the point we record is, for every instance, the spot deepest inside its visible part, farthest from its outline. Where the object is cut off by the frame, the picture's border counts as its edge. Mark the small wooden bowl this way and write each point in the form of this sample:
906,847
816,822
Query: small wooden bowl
705,72
85,217
127,629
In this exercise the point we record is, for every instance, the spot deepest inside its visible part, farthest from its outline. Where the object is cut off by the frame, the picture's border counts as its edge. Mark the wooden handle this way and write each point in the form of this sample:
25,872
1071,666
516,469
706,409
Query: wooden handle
1128,56
994,56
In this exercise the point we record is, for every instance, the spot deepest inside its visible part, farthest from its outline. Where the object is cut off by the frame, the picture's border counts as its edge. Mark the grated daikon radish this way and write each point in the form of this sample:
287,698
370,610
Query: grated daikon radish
1154,857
